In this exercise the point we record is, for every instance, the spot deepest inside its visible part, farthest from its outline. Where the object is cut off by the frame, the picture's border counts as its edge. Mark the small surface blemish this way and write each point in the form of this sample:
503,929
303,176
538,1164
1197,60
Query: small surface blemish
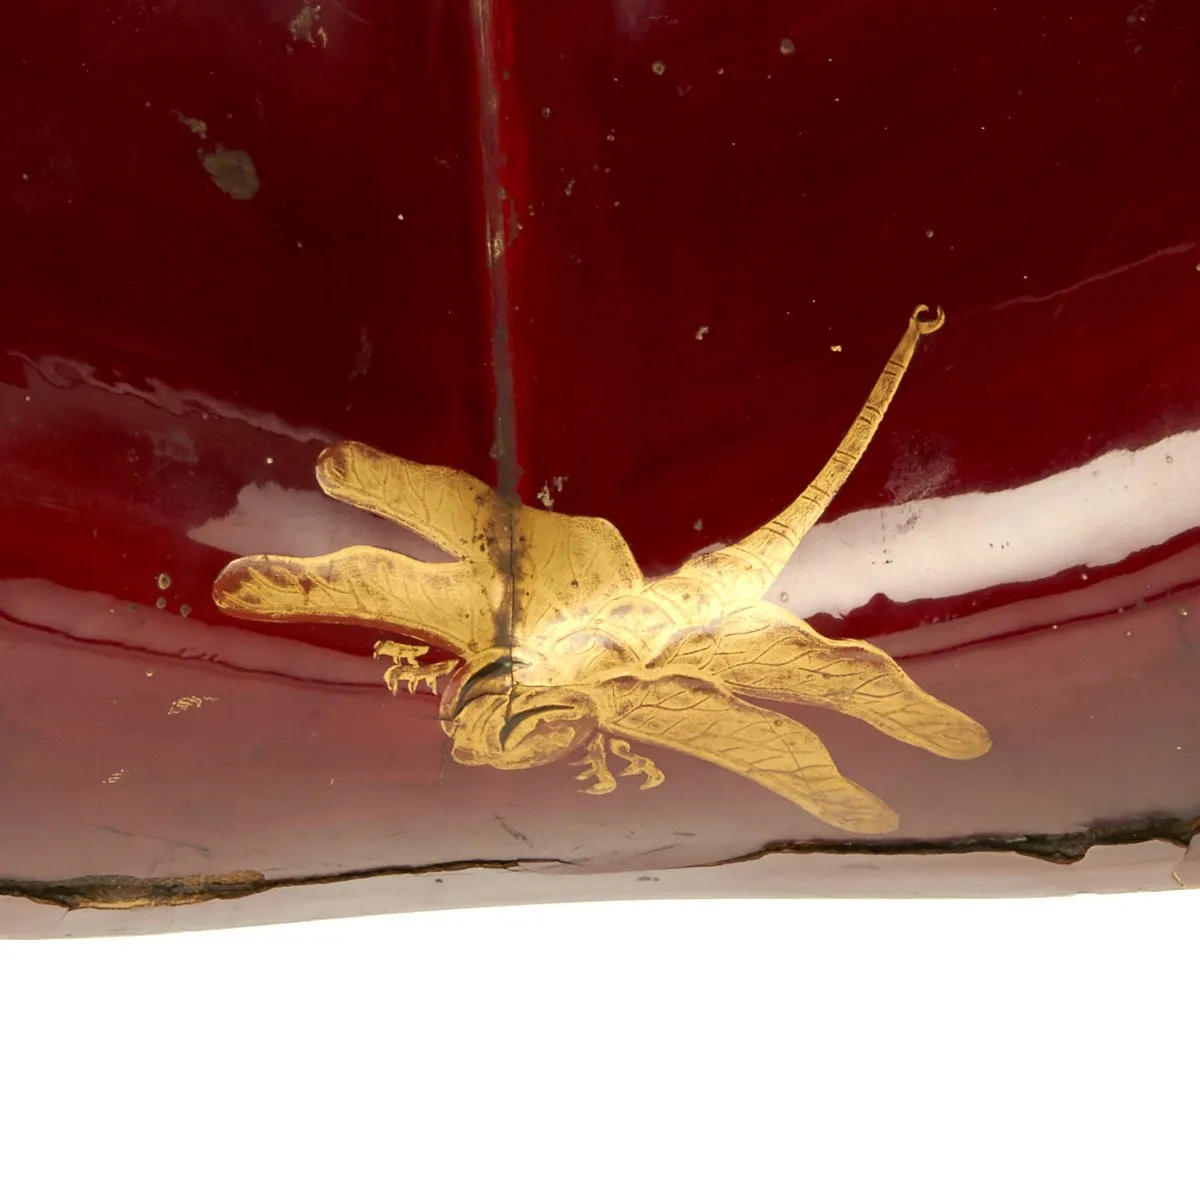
197,126
362,360
163,581
305,26
787,46
698,525
659,68
233,171
512,832
701,333
184,703
161,602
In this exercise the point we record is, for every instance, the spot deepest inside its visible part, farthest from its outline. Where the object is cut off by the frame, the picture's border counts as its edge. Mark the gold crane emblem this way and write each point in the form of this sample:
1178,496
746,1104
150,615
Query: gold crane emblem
562,648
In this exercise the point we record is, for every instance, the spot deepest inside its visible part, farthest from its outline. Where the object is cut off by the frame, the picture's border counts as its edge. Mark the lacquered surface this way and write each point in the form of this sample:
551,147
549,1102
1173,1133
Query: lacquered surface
681,254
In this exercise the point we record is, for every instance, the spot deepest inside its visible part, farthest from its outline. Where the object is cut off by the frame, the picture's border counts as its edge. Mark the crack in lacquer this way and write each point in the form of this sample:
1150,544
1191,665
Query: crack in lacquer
504,444
126,891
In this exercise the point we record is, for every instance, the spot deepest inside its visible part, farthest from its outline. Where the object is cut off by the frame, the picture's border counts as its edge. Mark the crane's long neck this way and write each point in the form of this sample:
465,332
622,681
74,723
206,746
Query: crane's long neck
754,563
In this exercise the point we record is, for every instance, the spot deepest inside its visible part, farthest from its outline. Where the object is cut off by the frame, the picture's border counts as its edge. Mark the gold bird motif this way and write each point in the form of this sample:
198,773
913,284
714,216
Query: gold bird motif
562,648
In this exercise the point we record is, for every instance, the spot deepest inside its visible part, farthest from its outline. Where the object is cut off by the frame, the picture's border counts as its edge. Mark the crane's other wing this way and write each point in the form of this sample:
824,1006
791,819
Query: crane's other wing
567,566
450,508
682,713
764,652
443,603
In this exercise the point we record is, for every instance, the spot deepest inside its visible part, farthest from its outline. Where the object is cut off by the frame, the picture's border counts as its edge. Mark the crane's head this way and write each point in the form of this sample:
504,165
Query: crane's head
496,716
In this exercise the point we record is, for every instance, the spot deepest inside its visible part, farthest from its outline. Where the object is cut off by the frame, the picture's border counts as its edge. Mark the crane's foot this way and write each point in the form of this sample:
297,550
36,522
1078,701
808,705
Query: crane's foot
407,671
639,764
596,768
595,765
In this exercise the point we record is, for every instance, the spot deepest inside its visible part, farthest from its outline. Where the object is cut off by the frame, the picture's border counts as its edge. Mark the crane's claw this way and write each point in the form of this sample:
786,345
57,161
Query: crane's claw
407,670
595,766
639,764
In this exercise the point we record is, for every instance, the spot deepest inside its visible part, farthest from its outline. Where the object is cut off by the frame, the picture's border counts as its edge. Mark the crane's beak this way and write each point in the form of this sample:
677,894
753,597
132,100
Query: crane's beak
491,675
535,702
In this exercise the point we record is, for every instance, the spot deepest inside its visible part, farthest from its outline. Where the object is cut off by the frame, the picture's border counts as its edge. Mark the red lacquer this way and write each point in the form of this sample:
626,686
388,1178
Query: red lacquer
643,261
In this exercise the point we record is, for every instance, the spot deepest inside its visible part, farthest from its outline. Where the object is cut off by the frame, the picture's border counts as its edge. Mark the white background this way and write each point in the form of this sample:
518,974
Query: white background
734,1049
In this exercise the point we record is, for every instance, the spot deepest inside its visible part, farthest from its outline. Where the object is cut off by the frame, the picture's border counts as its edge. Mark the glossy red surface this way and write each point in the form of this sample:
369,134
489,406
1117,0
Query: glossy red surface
649,256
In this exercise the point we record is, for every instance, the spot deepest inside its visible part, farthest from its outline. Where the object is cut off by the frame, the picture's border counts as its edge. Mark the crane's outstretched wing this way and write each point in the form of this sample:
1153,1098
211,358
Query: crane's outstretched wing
450,508
443,603
682,713
564,566
762,651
